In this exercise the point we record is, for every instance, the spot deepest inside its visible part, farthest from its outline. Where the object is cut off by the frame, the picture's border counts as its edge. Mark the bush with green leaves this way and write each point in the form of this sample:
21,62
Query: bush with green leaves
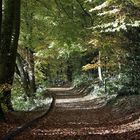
81,80
23,103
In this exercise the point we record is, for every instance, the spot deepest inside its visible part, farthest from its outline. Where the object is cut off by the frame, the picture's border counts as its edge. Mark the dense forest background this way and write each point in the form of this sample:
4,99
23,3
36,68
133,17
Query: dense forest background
67,43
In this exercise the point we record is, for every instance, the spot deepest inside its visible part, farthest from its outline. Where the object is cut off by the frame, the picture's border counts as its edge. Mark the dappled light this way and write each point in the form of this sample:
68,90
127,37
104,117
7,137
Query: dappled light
69,70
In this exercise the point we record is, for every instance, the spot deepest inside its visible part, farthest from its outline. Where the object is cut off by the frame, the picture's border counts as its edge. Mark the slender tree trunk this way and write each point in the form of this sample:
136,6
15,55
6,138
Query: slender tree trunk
30,61
106,75
69,71
25,69
119,67
31,71
23,74
28,14
99,68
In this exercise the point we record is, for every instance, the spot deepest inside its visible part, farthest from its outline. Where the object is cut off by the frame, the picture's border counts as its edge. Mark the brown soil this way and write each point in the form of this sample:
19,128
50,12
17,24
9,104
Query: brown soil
77,118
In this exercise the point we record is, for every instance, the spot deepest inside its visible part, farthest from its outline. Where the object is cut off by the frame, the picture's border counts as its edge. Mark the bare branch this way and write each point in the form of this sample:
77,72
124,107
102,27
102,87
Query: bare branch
85,12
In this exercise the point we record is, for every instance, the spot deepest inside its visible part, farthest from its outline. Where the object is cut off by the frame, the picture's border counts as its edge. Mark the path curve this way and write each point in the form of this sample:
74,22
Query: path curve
83,118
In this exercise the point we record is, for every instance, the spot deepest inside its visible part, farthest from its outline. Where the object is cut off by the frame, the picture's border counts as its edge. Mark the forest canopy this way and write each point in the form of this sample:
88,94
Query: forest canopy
63,43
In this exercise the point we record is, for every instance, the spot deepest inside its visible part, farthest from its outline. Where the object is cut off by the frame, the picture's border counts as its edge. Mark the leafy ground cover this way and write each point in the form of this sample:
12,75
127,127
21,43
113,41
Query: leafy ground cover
90,119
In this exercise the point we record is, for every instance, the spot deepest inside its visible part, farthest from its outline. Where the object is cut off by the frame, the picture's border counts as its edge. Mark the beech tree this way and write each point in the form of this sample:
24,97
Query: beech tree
9,26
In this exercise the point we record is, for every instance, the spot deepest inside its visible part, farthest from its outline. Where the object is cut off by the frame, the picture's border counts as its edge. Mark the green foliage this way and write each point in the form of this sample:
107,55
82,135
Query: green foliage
30,104
67,34
21,102
62,36
81,80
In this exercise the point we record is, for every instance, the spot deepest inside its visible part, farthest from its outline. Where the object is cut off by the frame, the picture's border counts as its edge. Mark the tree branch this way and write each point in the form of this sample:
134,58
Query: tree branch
62,7
85,12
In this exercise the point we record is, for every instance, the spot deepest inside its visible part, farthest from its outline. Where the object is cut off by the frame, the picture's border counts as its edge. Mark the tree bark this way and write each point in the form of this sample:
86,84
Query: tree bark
8,49
1,111
30,61
0,20
69,71
20,62
25,70
99,68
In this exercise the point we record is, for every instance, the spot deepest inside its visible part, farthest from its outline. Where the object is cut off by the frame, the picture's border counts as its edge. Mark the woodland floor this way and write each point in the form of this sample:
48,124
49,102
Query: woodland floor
78,117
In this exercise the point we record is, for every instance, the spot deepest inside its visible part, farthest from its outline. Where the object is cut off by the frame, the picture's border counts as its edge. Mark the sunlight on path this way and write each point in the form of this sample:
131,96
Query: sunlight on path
60,89
69,100
135,125
78,99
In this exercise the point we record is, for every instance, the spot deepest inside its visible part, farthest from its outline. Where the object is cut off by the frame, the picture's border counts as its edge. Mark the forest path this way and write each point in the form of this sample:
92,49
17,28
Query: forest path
75,117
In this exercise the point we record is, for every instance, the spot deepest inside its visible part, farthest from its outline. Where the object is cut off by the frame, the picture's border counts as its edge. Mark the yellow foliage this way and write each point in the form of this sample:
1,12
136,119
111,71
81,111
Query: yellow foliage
96,65
94,42
91,66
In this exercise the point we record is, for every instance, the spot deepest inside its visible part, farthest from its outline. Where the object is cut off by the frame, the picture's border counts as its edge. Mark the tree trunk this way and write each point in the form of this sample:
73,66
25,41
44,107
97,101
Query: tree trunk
28,14
25,69
6,35
0,20
9,40
23,74
1,111
30,61
69,71
99,68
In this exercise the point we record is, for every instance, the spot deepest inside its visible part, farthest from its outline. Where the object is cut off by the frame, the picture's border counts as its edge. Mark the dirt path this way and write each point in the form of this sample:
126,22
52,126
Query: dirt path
78,118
